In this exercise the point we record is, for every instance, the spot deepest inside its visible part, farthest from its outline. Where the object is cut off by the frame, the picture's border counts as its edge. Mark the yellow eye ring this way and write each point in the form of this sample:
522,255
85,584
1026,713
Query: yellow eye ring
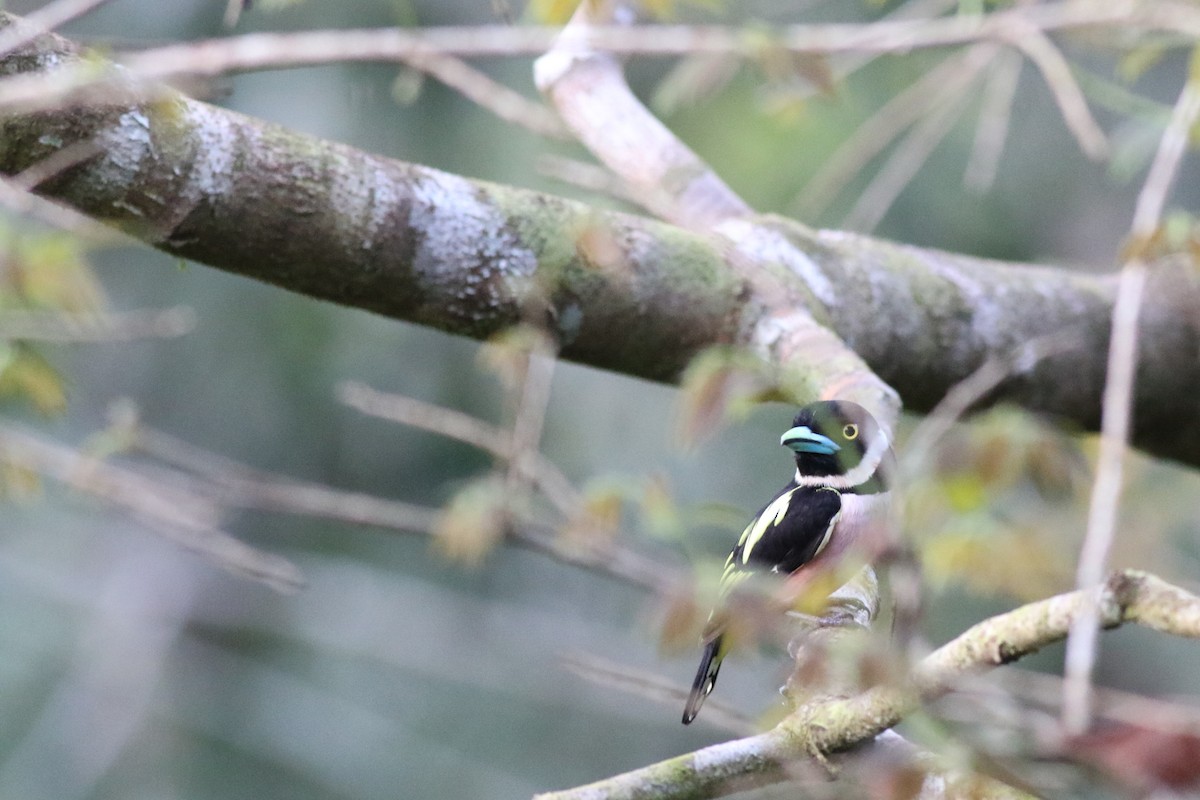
850,432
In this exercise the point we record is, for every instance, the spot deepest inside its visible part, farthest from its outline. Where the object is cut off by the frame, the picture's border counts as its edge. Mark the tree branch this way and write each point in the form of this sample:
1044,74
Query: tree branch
618,291
828,725
589,90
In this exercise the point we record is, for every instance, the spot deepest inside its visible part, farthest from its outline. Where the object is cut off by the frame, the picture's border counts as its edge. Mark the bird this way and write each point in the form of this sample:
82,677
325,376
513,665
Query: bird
834,504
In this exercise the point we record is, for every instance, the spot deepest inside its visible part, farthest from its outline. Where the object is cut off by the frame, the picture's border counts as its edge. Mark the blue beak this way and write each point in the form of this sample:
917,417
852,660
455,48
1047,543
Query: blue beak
802,439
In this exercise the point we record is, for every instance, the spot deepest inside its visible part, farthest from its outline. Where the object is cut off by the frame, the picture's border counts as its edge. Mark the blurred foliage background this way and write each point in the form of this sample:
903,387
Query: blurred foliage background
132,669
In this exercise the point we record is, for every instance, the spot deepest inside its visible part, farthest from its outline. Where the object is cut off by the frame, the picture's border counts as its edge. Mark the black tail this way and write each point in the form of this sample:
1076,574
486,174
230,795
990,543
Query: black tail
706,678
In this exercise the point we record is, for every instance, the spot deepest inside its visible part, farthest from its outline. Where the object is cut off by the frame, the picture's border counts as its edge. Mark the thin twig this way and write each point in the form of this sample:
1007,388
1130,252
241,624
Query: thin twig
465,428
994,117
181,516
946,81
530,417
47,212
230,482
272,51
905,161
233,12
48,326
233,483
587,86
510,106
269,51
46,18
653,687
399,45
1067,94
1118,404
592,177
426,416
1172,716
970,390
57,162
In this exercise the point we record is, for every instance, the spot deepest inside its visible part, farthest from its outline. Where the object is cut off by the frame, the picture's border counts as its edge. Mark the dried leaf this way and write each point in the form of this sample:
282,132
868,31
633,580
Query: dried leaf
596,243
807,590
682,620
720,383
603,503
599,519
899,781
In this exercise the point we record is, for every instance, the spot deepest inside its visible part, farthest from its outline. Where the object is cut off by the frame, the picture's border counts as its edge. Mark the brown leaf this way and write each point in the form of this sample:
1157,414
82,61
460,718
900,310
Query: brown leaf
682,619
1140,758
719,383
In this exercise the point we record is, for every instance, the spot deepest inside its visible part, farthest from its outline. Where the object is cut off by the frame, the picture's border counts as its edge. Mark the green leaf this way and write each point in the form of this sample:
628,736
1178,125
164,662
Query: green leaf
1137,61
660,513
29,376
474,521
506,355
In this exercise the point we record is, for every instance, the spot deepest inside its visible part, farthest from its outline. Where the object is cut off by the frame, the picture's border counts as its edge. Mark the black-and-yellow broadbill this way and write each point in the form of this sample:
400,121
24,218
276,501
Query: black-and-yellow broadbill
835,504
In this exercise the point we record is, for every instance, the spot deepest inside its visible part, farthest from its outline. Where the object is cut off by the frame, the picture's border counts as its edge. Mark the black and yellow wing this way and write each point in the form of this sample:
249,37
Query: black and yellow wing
785,535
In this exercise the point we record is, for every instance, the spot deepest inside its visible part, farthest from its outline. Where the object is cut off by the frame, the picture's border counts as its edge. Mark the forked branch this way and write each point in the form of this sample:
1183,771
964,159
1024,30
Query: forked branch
828,726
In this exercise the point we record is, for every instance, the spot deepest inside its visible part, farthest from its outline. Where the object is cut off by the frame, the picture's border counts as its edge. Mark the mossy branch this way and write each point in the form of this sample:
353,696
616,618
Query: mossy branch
619,291
825,727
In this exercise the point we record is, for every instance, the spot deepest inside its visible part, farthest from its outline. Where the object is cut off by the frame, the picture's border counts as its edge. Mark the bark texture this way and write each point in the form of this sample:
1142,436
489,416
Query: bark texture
622,292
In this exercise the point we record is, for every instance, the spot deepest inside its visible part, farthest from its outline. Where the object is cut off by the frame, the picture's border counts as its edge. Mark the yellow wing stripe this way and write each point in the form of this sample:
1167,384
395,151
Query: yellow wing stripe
771,516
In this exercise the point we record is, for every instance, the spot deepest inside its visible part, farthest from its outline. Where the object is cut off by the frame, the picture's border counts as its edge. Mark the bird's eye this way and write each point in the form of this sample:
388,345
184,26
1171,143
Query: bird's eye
850,431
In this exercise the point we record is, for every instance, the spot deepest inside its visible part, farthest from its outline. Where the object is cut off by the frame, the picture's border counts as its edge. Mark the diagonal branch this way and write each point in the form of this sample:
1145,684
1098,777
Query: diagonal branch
833,725
1057,74
478,87
588,88
183,517
222,480
912,152
47,18
52,326
942,84
465,428
994,117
